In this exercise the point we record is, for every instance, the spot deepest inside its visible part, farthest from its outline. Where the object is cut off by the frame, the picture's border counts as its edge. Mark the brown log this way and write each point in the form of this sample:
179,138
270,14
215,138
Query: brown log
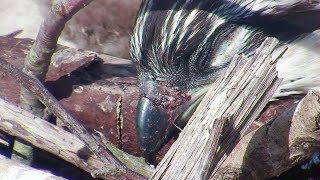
235,166
112,166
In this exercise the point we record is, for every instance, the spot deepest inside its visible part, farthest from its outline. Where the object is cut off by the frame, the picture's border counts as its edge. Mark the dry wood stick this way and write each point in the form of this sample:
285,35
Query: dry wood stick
238,97
38,59
54,139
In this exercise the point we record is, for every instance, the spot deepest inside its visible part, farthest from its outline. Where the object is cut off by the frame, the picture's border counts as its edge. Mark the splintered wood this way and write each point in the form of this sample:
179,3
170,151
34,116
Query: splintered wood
232,103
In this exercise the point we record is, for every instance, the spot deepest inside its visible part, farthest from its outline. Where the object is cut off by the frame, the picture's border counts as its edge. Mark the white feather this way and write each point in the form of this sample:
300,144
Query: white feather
300,66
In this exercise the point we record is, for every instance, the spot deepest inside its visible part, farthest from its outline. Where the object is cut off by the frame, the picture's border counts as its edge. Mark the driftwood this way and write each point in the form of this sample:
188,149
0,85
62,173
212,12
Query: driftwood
237,97
10,169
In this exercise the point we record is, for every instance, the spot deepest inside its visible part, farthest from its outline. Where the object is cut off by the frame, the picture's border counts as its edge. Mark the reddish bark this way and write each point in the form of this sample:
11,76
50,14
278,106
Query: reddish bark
87,85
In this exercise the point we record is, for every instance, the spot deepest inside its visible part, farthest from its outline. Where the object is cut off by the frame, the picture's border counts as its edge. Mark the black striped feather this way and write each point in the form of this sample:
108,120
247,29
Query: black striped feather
189,42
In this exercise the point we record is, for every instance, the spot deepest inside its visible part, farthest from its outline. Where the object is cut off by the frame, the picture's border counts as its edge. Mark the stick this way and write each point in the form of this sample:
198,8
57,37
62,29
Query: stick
38,59
238,96
57,141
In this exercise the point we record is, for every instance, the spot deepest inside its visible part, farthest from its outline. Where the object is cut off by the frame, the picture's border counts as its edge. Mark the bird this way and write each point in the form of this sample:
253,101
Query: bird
180,47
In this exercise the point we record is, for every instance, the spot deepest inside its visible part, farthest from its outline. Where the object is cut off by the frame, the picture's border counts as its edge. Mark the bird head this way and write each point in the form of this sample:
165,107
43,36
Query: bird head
172,51
170,91
179,48
163,109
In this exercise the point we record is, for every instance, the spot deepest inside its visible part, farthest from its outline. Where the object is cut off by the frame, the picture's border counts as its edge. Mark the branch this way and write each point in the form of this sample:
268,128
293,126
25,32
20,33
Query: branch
57,141
38,59
238,97
113,166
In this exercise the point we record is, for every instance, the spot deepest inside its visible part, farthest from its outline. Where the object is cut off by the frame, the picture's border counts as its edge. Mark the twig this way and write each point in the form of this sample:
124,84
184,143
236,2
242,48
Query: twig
38,59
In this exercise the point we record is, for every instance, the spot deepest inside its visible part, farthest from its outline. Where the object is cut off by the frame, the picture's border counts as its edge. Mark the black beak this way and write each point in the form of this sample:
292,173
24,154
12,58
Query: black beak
152,128
156,125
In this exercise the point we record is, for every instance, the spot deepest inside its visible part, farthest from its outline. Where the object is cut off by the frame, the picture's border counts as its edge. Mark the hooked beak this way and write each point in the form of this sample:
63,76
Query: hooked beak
151,125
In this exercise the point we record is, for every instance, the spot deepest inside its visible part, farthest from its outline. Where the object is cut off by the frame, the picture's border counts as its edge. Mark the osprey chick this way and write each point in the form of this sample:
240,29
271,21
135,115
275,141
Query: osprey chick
180,47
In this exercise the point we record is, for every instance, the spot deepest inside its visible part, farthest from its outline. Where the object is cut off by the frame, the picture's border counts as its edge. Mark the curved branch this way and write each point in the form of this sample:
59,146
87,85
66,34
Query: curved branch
38,59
